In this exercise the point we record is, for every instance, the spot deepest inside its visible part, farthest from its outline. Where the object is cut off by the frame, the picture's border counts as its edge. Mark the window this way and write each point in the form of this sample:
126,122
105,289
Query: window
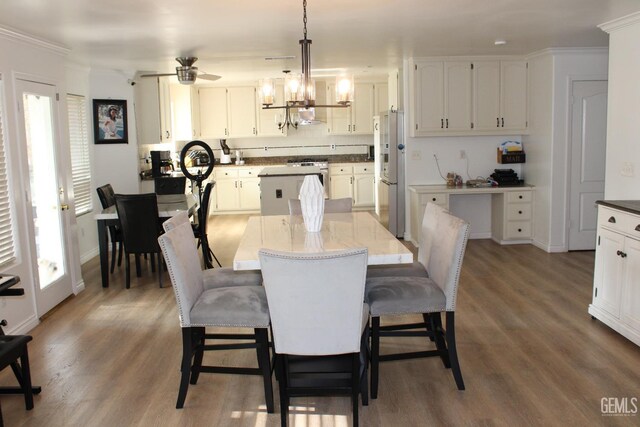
7,247
79,146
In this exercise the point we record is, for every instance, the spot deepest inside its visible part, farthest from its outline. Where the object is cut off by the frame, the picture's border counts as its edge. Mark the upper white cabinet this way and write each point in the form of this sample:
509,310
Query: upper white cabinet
500,95
381,98
468,97
153,110
181,116
358,118
268,119
227,112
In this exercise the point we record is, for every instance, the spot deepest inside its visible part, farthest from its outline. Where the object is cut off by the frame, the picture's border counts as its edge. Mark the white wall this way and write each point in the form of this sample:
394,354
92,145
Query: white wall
551,74
623,117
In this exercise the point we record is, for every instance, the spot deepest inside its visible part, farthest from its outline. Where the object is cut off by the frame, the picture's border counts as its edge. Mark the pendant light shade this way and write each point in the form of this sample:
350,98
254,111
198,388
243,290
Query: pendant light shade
345,89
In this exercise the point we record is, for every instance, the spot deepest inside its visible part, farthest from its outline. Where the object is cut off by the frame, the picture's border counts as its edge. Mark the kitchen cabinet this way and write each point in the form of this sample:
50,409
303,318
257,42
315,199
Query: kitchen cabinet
181,118
152,107
268,119
355,180
500,95
356,119
227,112
616,279
237,189
442,96
381,98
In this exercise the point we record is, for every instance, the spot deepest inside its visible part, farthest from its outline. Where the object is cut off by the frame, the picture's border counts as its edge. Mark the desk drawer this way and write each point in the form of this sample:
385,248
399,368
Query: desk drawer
519,196
224,173
620,221
437,198
518,230
518,211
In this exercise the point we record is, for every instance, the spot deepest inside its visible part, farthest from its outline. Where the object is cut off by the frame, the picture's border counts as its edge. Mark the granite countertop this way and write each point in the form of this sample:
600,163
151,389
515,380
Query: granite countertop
632,206
146,175
289,171
282,160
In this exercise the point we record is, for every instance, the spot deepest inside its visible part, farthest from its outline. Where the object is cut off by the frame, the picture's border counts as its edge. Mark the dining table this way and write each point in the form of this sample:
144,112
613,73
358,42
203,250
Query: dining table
168,206
339,231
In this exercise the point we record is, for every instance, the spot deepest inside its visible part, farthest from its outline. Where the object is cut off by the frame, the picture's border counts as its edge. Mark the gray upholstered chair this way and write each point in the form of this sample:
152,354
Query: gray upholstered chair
219,306
425,240
318,319
428,296
217,277
330,206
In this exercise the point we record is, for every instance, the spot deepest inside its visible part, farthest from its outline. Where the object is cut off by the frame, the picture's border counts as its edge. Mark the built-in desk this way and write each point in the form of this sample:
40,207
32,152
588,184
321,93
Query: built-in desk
511,209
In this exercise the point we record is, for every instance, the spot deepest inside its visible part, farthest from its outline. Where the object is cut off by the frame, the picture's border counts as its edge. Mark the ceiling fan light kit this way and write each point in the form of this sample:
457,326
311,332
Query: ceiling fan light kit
300,88
186,72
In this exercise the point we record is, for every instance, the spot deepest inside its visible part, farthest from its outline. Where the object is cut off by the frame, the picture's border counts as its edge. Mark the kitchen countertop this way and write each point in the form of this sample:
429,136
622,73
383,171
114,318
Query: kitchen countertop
631,206
282,160
289,171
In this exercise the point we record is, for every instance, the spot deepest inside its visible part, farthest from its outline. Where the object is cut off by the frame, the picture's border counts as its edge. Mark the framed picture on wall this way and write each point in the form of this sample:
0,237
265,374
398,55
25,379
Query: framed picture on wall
110,124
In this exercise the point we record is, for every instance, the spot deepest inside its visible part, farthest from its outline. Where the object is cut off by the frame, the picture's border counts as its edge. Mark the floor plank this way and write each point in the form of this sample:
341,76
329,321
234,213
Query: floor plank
530,355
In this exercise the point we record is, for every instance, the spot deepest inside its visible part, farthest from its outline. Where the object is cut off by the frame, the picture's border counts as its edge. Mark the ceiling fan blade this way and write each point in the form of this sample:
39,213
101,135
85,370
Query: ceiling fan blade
158,75
209,77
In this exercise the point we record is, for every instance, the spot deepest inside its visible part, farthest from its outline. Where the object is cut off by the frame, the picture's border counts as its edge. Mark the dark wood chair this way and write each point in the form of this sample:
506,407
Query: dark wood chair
108,198
12,348
138,214
170,185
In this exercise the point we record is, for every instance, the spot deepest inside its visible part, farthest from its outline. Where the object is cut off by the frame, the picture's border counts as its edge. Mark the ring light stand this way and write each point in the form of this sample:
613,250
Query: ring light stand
199,178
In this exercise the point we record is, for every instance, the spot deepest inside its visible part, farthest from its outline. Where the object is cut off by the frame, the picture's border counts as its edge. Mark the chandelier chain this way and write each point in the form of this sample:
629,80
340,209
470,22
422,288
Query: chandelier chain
304,19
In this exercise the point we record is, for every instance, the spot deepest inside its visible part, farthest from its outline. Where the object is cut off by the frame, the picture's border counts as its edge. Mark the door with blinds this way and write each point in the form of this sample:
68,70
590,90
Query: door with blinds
46,195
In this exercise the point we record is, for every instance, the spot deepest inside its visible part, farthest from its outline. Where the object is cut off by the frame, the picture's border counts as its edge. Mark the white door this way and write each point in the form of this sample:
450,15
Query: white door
45,193
588,137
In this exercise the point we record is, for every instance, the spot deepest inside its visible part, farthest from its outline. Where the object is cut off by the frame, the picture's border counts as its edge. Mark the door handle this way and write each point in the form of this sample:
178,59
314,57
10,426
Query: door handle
64,207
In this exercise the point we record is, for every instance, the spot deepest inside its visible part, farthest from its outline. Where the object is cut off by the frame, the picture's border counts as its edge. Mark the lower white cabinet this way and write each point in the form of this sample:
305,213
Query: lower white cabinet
616,278
355,180
236,189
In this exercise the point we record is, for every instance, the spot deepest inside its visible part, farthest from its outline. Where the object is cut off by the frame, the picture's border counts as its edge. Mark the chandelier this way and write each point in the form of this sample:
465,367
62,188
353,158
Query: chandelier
300,88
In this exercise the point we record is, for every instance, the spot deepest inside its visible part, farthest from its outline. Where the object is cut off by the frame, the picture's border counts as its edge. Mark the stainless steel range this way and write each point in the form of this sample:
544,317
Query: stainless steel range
323,164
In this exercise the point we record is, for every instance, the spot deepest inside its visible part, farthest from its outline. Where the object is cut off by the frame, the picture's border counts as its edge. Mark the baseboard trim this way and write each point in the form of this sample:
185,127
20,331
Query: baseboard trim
23,328
89,255
549,248
79,287
483,235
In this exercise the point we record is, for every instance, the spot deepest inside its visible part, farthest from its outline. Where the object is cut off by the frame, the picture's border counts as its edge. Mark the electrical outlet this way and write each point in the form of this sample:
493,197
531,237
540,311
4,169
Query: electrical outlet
416,155
627,169
333,147
266,148
463,154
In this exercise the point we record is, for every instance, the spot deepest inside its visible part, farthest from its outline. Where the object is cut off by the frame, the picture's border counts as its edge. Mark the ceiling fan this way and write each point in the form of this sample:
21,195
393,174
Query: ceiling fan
186,73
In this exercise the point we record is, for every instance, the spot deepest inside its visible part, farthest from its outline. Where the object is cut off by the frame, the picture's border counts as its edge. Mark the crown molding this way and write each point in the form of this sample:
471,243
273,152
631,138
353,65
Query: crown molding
568,50
14,35
619,23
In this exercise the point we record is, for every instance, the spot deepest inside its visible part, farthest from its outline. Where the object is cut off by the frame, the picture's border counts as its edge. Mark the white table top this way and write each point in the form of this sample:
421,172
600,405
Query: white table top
339,231
168,206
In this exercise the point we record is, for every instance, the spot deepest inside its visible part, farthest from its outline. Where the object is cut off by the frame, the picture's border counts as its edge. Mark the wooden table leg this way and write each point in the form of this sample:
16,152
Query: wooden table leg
104,252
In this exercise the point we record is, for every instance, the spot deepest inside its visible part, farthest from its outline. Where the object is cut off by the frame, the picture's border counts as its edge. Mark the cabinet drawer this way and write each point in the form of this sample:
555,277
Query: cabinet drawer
249,173
364,169
518,230
225,173
341,170
437,198
518,196
518,211
623,222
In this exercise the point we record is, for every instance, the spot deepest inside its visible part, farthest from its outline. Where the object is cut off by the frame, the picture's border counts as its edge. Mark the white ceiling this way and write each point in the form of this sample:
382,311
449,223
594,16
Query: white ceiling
232,37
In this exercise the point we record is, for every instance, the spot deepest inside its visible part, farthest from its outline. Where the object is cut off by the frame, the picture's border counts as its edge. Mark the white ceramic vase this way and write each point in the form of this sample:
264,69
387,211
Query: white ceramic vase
312,203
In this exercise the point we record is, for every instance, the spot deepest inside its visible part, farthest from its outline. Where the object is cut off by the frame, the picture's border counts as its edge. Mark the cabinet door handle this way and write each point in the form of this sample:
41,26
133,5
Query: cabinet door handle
520,196
638,227
612,220
351,180
376,126
433,199
447,123
497,122
441,123
354,128
240,184
254,131
236,183
503,122
520,212
519,230
621,254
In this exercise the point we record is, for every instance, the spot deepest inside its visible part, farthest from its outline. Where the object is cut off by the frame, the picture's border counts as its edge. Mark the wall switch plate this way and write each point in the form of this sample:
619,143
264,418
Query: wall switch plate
416,155
627,169
333,147
278,194
463,154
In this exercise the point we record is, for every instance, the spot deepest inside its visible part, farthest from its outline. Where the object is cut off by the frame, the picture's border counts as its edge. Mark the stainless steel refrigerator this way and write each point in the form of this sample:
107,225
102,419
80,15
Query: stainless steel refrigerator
389,175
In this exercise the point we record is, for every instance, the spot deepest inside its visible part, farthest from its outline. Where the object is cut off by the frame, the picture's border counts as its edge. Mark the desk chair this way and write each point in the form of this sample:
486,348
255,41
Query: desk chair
428,296
216,277
330,206
138,214
108,198
320,324
221,305
170,185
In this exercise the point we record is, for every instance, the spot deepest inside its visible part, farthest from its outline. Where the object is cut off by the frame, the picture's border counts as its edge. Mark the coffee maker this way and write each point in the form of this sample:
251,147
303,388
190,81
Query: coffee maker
161,163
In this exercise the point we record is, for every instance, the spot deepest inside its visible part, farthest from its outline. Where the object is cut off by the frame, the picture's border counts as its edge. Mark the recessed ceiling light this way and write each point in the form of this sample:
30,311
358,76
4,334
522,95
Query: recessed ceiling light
500,42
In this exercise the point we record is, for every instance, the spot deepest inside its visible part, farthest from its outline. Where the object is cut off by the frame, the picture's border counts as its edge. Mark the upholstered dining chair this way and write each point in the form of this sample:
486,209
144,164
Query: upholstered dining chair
319,321
220,306
170,185
216,277
429,296
138,215
108,198
425,240
330,206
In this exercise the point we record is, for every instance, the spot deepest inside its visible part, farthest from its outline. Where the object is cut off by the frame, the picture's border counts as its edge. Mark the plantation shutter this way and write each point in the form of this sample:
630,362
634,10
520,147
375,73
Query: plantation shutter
79,145
7,247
